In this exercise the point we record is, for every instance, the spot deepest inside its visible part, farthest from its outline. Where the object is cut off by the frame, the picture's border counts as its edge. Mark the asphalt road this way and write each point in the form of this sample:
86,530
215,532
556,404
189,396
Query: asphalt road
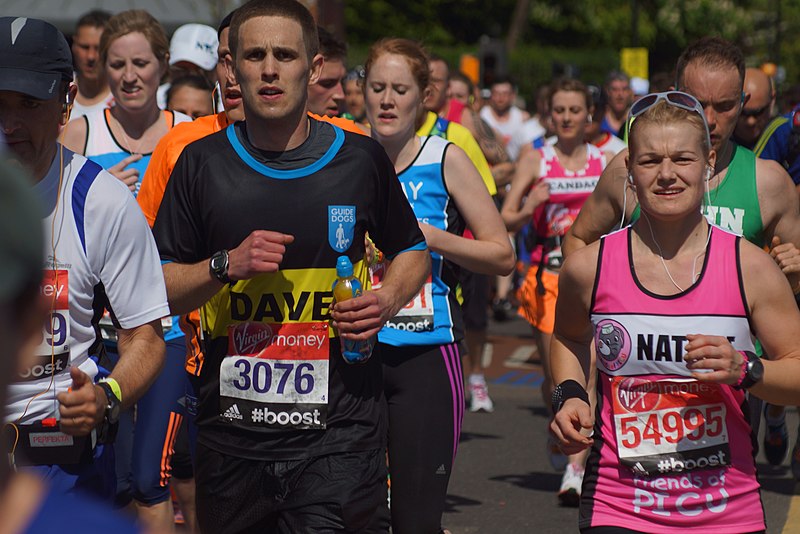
503,482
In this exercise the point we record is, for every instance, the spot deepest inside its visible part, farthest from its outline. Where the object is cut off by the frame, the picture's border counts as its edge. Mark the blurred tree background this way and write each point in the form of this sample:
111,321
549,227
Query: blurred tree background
548,37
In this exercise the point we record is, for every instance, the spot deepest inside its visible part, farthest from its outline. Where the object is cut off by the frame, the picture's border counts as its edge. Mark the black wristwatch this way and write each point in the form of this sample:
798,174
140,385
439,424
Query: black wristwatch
218,266
754,371
114,406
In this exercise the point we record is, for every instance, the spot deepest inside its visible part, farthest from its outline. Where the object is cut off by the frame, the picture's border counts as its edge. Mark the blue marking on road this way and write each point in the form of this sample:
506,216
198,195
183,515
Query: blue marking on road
522,380
535,380
518,378
506,377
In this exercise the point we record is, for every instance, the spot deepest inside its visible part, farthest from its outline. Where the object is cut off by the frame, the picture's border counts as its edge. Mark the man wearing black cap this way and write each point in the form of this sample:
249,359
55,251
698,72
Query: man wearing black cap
98,253
28,503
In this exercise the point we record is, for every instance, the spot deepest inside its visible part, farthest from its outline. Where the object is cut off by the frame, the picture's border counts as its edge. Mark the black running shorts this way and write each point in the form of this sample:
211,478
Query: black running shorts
334,493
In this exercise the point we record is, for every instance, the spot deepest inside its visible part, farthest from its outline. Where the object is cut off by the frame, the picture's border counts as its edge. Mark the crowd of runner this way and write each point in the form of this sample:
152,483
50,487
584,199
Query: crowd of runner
192,196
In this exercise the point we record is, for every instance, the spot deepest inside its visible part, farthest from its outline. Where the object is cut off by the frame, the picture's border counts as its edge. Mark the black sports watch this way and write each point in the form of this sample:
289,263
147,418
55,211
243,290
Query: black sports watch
218,266
753,371
114,406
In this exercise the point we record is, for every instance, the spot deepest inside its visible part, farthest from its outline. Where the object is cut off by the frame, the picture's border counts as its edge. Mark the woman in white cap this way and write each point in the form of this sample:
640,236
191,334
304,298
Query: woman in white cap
192,51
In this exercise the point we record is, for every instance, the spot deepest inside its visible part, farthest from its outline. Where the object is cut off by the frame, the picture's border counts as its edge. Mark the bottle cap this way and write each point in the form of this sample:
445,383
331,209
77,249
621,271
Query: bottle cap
344,268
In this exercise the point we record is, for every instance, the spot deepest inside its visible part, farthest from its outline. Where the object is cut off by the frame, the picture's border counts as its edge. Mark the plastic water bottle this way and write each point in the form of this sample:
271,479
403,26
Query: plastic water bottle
346,287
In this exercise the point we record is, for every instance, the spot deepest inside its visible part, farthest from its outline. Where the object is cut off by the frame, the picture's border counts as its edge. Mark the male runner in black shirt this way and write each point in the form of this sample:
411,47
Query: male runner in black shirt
291,438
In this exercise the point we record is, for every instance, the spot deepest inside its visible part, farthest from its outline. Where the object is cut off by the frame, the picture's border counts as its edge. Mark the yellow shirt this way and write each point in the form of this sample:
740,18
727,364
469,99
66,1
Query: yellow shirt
463,139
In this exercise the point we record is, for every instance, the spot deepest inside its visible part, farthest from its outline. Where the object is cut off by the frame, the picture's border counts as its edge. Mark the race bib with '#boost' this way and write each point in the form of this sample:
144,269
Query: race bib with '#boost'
417,315
52,353
669,425
276,376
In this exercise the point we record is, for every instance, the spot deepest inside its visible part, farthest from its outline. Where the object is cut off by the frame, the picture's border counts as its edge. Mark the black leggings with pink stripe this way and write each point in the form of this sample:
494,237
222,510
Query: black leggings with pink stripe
425,395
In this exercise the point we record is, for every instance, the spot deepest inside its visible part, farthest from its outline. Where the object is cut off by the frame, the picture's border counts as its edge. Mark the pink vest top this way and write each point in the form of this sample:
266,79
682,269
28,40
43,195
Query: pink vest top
671,453
568,191
455,111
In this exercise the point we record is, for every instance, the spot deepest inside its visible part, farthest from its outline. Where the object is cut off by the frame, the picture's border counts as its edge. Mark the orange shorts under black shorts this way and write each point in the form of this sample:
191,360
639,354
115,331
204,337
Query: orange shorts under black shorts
539,309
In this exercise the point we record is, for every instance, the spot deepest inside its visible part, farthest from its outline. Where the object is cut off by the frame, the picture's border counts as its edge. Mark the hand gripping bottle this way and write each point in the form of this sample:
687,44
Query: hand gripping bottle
346,287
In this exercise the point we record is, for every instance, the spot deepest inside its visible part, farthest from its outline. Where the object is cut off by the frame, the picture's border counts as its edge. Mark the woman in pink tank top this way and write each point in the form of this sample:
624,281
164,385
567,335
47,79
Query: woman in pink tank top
672,305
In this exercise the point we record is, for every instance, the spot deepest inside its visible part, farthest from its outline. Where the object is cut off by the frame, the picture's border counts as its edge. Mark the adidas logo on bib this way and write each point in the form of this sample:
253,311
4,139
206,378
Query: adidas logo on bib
232,413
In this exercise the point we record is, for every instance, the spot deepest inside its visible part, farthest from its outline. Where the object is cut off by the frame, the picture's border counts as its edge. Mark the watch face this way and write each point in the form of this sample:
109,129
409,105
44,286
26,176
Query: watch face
217,261
113,412
219,265
756,370
113,407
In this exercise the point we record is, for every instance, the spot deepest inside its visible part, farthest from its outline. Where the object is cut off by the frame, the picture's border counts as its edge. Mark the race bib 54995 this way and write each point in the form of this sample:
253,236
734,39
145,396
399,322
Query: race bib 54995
669,426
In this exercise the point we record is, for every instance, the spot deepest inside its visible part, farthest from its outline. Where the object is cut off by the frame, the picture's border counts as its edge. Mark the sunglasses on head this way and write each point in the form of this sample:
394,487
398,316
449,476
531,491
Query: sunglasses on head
677,99
755,112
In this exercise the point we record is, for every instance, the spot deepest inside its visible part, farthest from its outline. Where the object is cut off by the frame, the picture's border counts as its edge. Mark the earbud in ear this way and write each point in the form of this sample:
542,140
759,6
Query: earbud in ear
709,173
630,178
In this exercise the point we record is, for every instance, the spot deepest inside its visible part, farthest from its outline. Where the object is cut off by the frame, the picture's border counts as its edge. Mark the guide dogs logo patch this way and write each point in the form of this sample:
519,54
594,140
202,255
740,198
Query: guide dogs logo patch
341,227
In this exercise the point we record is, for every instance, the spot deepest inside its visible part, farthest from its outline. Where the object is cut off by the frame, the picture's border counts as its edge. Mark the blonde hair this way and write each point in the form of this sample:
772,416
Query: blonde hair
131,21
663,113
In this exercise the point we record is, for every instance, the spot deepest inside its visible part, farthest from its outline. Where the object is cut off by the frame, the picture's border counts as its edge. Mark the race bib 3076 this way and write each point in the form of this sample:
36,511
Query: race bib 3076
276,375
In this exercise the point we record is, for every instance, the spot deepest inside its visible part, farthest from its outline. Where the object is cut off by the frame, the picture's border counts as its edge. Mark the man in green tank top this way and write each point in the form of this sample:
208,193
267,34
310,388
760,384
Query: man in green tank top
752,197
749,196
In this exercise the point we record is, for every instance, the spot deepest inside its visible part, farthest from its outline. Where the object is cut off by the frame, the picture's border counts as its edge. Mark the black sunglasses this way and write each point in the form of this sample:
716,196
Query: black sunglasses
755,112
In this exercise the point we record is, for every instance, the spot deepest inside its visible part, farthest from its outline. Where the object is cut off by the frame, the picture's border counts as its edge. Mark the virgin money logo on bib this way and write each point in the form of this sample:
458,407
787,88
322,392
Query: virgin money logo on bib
638,395
251,338
613,344
341,227
272,340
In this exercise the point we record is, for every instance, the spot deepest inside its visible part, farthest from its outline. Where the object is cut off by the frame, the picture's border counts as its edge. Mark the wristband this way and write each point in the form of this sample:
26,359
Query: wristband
377,255
114,387
568,389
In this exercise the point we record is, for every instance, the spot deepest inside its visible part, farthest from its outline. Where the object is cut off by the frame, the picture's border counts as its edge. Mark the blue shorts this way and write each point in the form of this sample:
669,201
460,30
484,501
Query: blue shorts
96,478
145,446
86,515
